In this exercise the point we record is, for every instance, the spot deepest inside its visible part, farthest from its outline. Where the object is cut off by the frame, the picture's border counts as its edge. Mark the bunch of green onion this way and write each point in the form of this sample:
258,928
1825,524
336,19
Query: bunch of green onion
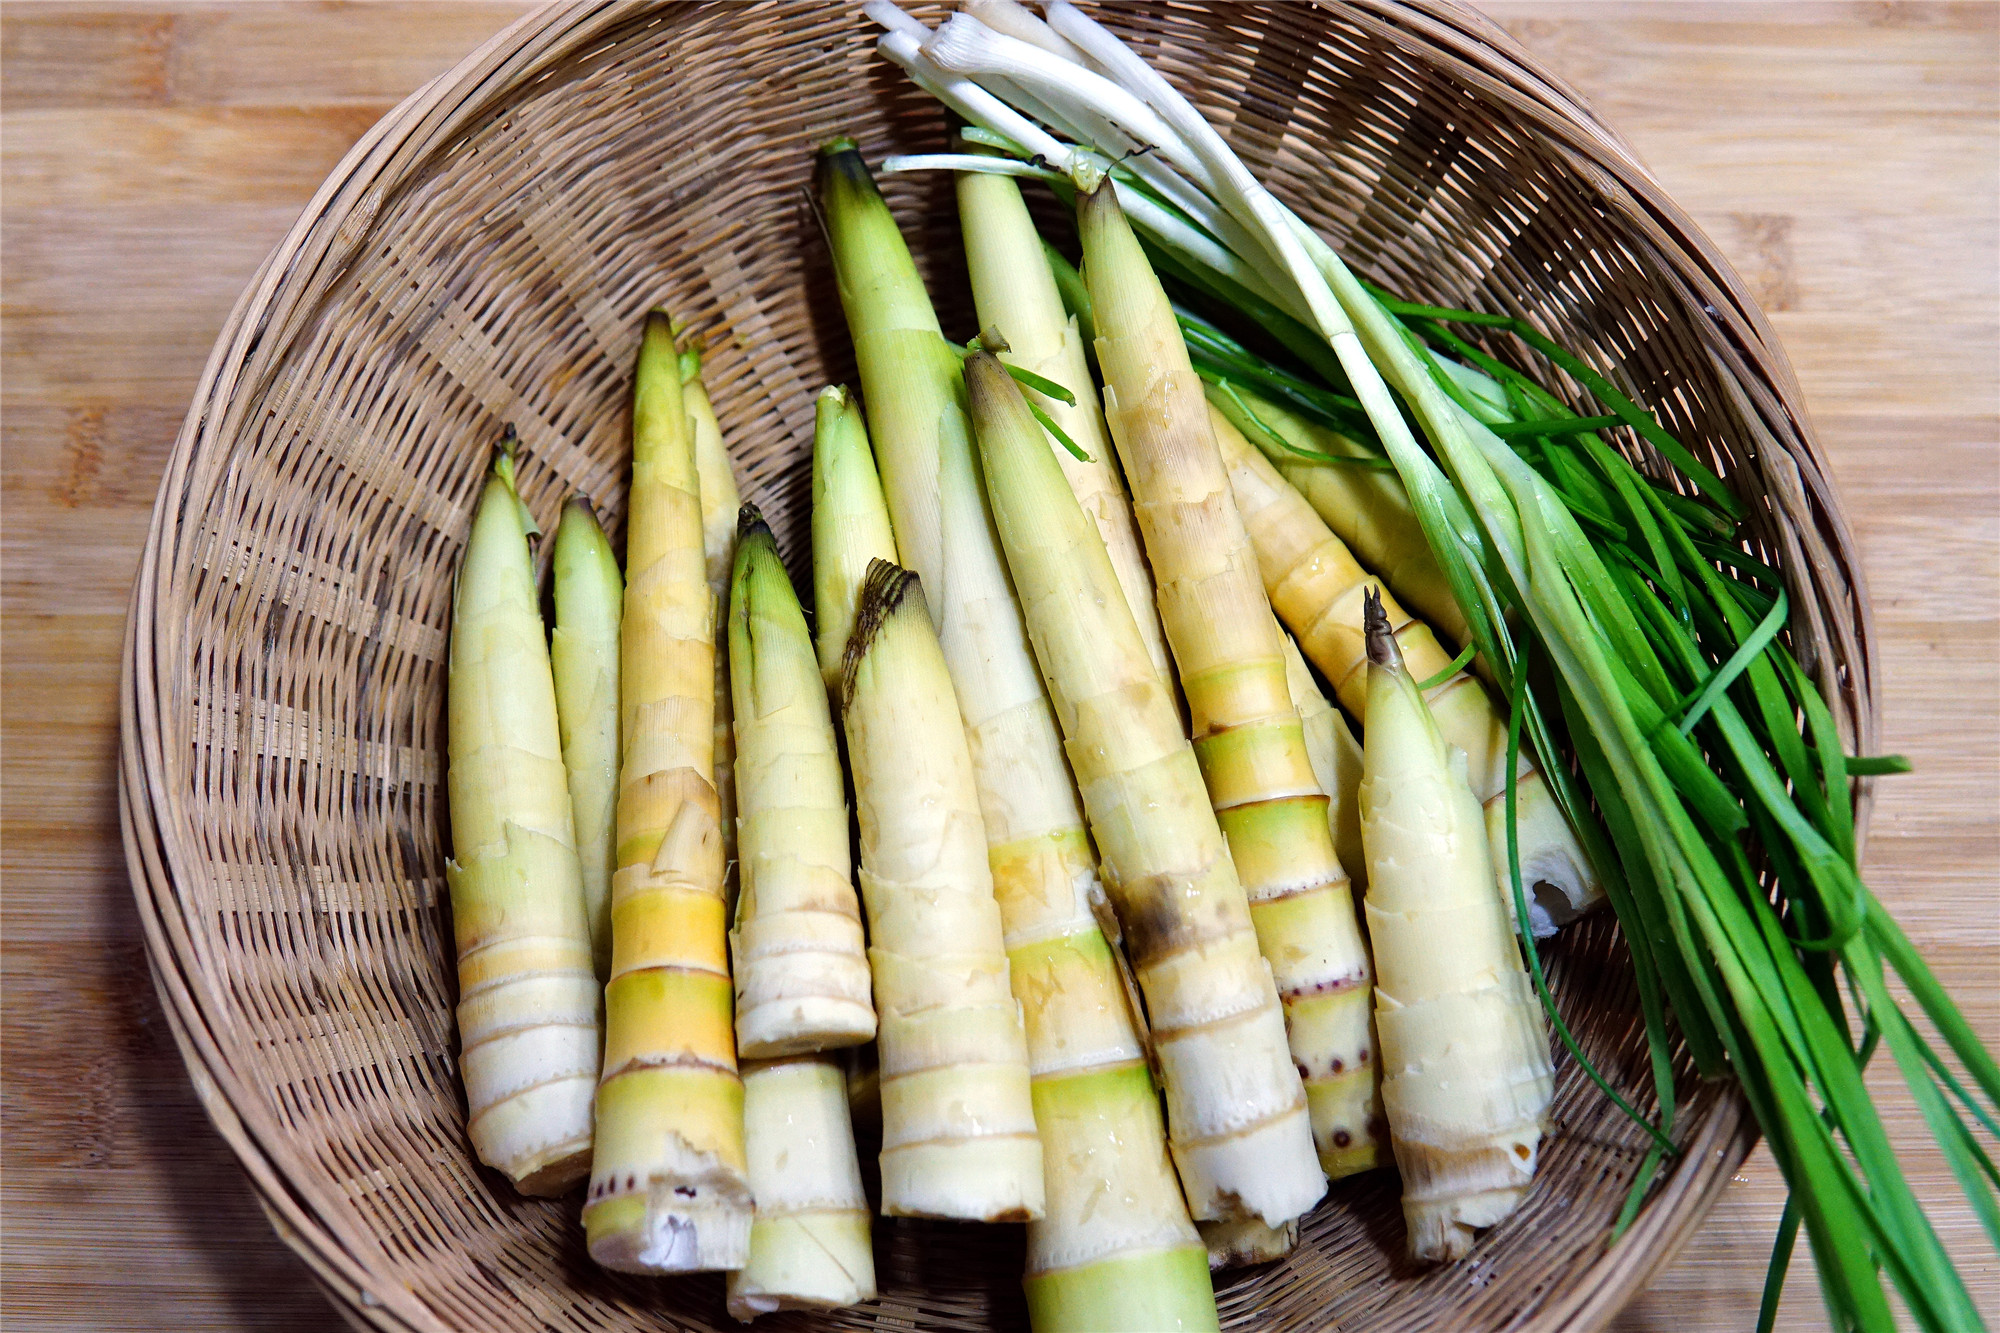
1611,607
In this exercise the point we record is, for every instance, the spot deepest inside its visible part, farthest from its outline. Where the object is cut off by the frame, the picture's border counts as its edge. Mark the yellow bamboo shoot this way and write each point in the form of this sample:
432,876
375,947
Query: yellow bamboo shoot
1229,650
1317,588
669,1191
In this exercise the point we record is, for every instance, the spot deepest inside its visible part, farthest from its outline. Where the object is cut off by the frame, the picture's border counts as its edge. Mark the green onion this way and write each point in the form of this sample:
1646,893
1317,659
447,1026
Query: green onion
1458,664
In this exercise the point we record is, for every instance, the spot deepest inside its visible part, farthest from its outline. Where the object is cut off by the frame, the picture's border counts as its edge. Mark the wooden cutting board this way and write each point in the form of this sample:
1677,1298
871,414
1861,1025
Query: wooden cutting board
1846,156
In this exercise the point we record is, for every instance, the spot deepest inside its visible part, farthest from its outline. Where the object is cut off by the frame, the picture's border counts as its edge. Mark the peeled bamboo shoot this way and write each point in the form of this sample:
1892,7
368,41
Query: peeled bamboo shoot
1317,588
1236,1112
1336,761
1367,508
528,998
1015,293
583,649
1346,1105
1229,651
810,1246
1465,1056
958,1122
669,1191
719,502
801,969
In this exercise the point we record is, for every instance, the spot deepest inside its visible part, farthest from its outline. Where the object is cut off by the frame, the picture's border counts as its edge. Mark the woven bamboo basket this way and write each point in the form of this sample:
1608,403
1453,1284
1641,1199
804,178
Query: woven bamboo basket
484,256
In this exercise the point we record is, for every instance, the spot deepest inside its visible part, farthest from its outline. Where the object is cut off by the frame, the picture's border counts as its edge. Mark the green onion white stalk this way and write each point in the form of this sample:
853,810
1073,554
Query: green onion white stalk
528,1008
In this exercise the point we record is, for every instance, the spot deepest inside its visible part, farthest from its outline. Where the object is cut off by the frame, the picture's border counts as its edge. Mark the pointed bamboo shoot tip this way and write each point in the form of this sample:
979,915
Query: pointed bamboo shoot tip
748,520
990,339
883,592
1382,649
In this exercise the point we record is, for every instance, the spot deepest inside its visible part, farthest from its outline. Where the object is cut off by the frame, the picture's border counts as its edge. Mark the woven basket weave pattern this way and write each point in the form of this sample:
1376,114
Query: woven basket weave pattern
484,258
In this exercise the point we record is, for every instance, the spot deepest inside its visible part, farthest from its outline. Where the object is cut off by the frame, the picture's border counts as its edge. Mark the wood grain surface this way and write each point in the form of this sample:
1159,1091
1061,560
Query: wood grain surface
1847,157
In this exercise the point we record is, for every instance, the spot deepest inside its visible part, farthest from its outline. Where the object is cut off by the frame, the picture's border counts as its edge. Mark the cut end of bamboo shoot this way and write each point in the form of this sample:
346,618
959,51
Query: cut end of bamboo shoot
1240,1242
810,1243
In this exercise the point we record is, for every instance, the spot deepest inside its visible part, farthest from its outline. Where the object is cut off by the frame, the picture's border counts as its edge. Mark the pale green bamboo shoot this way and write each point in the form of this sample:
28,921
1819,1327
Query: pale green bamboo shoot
528,1010
583,649
1015,293
1116,1226
1236,1111
958,1122
850,523
1229,651
809,1246
720,500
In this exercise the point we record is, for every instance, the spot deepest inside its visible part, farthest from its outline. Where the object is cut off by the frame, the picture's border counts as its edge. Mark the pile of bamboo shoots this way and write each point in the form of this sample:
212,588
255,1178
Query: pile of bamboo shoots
1102,803
1148,946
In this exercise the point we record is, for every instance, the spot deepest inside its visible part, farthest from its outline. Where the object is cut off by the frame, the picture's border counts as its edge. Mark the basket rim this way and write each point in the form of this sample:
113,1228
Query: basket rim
339,217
